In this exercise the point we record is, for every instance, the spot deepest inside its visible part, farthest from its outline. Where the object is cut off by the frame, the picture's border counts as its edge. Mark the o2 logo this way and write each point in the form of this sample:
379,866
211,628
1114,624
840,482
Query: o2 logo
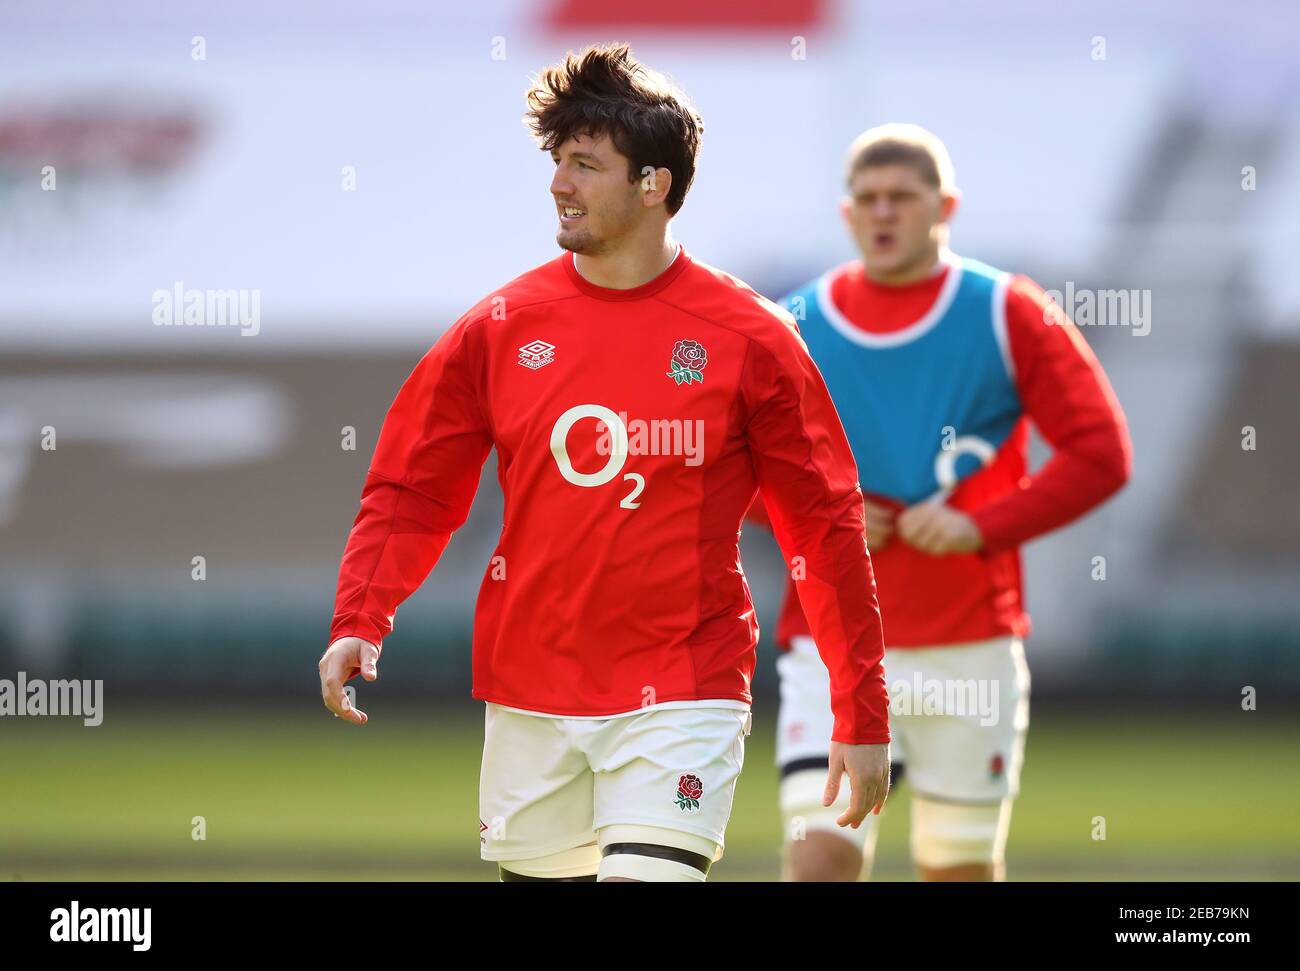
613,464
945,463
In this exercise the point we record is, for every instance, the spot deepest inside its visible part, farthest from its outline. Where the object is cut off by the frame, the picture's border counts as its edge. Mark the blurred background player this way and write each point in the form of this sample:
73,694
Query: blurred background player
937,364
614,633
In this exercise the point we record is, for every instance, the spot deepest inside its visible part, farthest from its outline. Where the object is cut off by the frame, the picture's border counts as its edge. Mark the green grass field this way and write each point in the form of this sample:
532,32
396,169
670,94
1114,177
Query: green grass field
304,797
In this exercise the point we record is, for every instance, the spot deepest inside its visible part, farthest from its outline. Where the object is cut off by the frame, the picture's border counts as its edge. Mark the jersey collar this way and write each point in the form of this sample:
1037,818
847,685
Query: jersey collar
674,270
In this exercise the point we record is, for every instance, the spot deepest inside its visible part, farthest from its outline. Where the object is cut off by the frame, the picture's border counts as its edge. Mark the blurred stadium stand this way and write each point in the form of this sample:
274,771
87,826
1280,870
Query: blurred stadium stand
225,173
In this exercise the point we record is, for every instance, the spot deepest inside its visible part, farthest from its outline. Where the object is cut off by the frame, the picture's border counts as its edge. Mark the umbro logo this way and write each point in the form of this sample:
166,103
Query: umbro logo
536,354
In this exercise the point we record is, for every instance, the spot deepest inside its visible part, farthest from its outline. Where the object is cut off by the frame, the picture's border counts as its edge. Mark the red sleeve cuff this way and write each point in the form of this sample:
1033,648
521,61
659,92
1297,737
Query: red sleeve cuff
867,738
996,533
360,627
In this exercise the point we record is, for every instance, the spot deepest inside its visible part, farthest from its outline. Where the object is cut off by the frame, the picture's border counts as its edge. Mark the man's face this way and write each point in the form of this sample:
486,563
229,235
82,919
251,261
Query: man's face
596,202
896,218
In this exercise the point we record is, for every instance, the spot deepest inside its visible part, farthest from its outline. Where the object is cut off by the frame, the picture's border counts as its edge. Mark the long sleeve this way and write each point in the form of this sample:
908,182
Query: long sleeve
1064,392
419,488
758,514
808,479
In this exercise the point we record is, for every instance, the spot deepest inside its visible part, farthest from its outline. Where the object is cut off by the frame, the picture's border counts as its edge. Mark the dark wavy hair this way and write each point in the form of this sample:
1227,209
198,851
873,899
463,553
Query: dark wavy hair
606,91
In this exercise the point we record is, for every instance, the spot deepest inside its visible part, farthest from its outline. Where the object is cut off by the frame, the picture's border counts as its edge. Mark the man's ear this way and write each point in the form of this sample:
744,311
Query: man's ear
949,204
655,183
846,213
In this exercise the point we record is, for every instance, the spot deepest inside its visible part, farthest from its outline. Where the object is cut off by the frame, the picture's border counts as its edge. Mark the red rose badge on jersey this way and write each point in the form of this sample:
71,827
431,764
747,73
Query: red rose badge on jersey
689,790
689,359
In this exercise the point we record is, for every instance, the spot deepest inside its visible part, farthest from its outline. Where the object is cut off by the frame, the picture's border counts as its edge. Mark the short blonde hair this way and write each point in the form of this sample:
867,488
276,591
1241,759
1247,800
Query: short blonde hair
904,144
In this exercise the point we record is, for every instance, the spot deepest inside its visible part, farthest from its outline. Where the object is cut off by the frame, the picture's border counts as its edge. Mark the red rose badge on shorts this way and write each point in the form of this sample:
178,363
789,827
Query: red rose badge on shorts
689,359
689,790
996,765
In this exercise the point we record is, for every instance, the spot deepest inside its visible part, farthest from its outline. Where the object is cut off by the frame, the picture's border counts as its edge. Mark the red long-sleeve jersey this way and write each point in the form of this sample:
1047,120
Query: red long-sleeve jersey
927,600
633,430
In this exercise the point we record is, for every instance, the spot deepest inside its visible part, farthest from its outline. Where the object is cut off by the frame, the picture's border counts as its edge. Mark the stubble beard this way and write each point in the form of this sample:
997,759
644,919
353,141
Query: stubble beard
579,241
616,222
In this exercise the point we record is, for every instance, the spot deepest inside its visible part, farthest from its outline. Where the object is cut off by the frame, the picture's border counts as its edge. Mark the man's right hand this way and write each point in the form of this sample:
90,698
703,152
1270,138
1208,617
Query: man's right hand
345,659
880,524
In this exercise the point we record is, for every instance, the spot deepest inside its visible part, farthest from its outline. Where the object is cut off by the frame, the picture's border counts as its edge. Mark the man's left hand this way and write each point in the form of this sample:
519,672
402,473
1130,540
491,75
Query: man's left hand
939,530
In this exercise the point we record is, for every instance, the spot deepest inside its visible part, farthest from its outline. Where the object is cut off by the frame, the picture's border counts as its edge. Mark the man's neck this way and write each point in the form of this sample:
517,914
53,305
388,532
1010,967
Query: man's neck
927,266
632,265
